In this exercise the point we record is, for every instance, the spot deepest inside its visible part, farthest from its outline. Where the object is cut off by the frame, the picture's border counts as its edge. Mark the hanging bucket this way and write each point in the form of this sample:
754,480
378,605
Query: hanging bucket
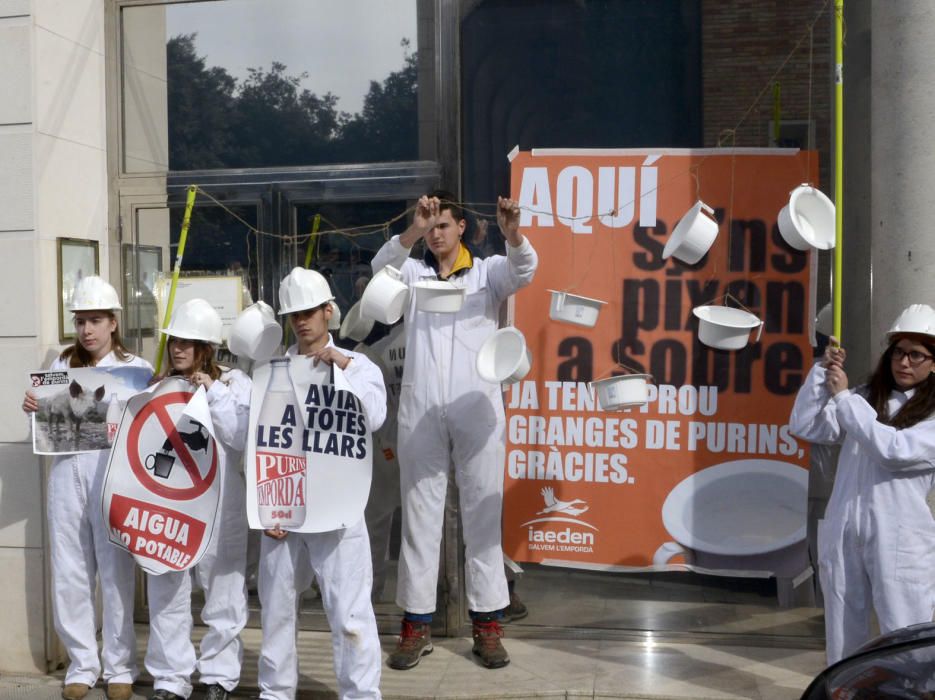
571,308
385,297
623,391
824,321
438,297
355,326
504,358
334,323
807,221
693,235
724,327
255,334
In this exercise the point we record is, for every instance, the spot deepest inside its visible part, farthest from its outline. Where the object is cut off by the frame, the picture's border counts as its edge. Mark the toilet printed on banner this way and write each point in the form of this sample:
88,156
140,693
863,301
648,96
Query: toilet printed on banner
163,487
308,463
701,473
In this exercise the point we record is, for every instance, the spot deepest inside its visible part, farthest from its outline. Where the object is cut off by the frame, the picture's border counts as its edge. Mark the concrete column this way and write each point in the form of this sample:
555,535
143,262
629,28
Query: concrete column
902,159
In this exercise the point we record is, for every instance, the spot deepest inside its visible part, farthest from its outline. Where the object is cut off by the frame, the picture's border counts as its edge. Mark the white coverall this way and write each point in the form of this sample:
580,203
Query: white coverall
340,560
876,544
81,550
447,413
170,656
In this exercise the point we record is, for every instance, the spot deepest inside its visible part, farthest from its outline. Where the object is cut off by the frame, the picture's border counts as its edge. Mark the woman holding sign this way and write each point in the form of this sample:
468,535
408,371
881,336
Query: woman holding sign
78,536
876,544
194,333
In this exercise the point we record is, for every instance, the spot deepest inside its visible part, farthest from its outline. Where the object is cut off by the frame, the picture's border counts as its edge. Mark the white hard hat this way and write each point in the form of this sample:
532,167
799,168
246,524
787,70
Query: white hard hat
196,319
92,293
917,318
335,322
303,289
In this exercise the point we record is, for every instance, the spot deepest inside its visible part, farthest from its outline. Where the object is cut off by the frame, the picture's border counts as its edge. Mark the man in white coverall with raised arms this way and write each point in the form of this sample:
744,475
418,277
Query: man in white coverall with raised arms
448,414
339,559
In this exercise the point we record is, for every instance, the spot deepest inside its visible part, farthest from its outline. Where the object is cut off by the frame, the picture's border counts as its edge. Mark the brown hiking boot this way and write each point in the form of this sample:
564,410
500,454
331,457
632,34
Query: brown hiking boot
119,691
487,644
75,691
415,641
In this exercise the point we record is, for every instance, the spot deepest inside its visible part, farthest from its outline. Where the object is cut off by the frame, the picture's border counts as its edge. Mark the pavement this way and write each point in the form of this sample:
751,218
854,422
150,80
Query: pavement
644,667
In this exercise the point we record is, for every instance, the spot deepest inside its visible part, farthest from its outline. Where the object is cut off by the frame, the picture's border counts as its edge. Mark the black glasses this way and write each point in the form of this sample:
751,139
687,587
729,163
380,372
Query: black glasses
915,357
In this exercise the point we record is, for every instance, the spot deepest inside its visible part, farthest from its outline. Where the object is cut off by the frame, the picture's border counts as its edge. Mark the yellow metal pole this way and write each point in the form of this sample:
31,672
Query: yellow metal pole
838,163
183,236
312,239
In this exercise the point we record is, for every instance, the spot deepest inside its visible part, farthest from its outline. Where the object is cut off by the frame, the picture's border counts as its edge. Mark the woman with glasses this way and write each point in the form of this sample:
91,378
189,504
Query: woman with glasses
876,544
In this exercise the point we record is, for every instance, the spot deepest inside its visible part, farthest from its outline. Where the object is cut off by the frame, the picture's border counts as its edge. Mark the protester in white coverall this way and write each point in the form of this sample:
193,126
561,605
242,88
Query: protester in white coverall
448,414
194,332
339,559
876,544
78,535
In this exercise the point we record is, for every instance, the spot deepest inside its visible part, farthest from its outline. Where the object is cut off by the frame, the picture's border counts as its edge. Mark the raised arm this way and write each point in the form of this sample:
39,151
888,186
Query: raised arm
395,251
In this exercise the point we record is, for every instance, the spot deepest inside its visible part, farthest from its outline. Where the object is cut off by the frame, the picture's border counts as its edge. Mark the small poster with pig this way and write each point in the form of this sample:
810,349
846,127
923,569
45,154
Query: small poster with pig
80,407
163,481
309,460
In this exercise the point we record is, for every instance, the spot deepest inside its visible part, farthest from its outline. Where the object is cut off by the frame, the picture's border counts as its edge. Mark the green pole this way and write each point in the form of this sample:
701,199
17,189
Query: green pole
183,236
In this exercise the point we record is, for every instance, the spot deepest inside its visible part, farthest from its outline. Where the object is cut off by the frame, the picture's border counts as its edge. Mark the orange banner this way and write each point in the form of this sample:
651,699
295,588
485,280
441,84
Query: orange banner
706,474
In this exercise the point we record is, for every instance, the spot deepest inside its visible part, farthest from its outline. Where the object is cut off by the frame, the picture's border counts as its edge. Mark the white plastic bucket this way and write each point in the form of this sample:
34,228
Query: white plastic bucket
438,297
571,308
385,297
724,327
693,235
623,391
255,334
334,323
824,321
807,221
504,358
355,326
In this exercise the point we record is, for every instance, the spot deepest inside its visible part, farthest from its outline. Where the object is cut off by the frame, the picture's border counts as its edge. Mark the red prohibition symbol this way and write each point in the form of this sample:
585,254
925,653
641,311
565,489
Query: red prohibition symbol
158,407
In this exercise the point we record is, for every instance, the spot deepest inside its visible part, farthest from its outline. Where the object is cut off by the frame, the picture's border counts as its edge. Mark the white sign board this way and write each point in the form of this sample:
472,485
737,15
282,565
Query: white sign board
308,462
163,486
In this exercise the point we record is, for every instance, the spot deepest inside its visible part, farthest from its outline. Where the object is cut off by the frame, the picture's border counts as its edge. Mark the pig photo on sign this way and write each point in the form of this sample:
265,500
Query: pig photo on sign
72,419
73,405
79,407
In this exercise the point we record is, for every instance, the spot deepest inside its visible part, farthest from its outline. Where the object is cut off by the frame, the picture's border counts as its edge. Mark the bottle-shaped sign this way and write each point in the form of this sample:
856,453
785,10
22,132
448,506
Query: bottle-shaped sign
281,464
113,418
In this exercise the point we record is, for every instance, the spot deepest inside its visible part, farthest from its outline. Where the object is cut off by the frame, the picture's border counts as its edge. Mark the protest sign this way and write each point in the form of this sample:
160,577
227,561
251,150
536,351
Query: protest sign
74,404
163,487
309,457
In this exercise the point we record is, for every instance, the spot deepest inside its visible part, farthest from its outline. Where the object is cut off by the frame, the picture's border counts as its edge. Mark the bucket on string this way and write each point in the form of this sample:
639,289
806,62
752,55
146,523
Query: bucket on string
622,391
385,297
571,308
354,325
438,297
807,221
724,327
504,358
693,235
